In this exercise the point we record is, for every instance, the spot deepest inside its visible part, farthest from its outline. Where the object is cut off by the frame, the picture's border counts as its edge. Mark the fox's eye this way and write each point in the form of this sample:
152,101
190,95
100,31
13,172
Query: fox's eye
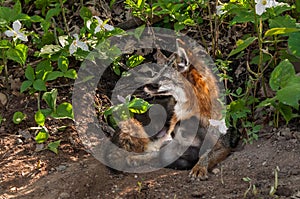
183,65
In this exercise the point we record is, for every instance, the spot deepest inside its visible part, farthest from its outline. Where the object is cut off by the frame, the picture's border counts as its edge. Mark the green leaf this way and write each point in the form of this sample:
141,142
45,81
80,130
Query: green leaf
242,45
138,105
280,31
53,12
72,74
242,16
140,4
63,63
45,25
281,74
293,43
17,8
25,85
36,18
5,44
108,112
39,118
116,68
29,73
139,31
189,22
287,112
280,9
18,117
134,61
85,13
179,26
53,75
10,15
297,6
22,52
52,146
282,22
64,110
46,112
6,14
18,54
50,98
42,69
39,85
267,102
112,2
42,136
290,94
265,58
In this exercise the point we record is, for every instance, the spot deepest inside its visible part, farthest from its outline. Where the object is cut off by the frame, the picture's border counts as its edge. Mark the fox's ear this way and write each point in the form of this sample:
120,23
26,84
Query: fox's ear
182,59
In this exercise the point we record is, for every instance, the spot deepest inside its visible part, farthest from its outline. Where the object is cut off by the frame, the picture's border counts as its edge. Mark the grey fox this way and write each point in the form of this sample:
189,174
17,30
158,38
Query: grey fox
197,98
196,93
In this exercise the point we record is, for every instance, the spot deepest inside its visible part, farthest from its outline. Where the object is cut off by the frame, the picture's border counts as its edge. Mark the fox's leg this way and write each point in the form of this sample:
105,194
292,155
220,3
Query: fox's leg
208,160
173,123
149,158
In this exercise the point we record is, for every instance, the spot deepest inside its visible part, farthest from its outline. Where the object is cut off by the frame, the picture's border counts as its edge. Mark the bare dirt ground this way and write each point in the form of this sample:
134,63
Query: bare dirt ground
74,173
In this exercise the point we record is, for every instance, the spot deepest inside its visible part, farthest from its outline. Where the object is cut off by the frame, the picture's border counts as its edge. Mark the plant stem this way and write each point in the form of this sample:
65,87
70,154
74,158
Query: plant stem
213,44
64,17
5,69
39,101
260,67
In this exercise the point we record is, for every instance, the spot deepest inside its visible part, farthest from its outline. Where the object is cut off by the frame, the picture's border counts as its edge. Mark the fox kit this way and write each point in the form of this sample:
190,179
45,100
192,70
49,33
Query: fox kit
196,92
132,147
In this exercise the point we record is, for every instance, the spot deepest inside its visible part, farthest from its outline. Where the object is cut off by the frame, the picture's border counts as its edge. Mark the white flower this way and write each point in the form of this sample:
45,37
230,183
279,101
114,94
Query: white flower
100,25
63,40
16,33
220,124
220,10
77,44
262,5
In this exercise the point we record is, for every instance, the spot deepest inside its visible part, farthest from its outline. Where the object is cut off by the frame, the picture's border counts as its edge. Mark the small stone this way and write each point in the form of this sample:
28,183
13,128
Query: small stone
264,163
197,194
64,195
25,134
39,147
3,99
215,171
19,141
61,168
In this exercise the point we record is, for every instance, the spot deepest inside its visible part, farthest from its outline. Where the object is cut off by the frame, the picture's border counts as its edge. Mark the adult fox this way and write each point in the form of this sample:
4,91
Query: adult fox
196,92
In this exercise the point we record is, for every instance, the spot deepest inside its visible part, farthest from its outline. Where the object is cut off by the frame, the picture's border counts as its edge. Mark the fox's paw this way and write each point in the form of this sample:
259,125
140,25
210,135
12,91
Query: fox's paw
199,172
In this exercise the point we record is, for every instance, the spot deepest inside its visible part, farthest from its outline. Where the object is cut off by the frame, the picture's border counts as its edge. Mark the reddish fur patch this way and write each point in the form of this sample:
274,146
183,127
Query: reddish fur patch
202,92
131,136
